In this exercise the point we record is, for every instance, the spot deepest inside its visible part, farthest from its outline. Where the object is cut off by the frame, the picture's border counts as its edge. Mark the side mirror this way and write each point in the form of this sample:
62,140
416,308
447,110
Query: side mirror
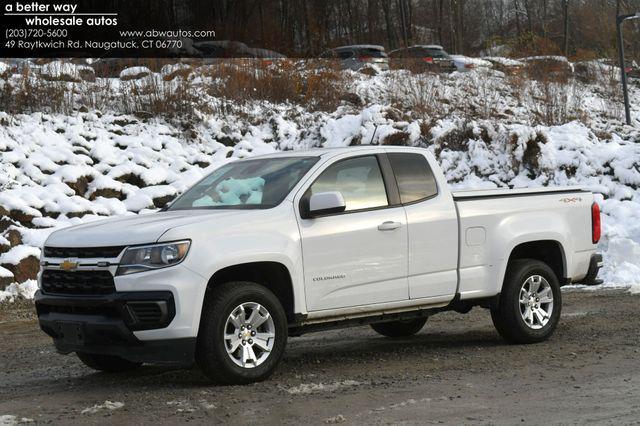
326,203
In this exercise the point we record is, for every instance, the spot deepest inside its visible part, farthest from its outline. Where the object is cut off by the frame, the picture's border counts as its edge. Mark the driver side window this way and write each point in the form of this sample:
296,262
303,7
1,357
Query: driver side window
359,180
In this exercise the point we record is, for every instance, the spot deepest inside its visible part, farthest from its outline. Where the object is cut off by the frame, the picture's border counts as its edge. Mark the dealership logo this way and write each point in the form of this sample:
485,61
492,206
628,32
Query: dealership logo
69,264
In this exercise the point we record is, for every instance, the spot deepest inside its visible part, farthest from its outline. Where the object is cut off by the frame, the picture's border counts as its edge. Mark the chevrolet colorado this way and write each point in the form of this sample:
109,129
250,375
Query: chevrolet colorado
280,245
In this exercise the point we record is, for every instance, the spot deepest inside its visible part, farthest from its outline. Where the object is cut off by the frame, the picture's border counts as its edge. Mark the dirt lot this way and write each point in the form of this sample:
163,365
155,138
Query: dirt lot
457,370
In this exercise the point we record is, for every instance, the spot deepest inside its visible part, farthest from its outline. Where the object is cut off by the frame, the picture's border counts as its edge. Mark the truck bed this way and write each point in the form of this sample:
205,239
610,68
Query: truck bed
492,224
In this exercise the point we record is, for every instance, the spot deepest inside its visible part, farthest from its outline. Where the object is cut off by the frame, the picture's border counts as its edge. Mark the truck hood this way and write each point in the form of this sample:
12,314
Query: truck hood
130,230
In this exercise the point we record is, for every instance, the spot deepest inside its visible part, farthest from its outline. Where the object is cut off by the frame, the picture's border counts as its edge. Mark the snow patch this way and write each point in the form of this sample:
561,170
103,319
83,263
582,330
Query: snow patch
25,290
107,405
306,388
18,253
10,420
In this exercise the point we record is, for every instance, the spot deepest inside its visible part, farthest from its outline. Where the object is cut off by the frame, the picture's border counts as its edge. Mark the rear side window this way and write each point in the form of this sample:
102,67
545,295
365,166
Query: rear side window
414,176
372,53
437,53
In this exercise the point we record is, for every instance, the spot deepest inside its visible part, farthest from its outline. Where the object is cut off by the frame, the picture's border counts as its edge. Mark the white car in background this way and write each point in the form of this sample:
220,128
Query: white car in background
466,63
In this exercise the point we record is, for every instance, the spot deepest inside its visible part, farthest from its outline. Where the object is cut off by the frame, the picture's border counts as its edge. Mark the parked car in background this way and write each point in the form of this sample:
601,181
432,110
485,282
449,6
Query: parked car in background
427,57
359,56
466,64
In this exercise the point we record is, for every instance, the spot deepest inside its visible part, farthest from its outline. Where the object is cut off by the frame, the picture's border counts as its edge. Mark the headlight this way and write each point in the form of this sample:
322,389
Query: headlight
156,256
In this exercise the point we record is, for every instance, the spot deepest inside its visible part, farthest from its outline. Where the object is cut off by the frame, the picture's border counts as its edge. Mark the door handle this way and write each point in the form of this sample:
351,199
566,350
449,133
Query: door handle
389,226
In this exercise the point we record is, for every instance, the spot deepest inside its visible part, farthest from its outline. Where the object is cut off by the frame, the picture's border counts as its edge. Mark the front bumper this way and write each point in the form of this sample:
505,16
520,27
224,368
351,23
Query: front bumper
595,264
105,325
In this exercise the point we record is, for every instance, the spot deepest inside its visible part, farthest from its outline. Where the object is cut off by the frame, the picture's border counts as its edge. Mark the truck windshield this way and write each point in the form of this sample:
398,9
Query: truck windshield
246,184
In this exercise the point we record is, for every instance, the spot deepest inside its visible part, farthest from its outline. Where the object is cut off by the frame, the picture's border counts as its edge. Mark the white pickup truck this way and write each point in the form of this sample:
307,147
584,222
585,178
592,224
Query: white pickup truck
279,245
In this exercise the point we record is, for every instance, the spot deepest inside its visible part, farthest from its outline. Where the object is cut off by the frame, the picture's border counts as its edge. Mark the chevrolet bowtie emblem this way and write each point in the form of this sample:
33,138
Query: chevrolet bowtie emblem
68,265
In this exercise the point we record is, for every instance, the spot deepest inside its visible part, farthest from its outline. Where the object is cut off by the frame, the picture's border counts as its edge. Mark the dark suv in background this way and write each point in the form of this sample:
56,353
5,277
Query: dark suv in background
423,58
359,56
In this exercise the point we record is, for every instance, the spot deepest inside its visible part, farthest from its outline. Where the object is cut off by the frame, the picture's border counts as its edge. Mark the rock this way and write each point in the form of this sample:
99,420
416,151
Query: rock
81,185
160,202
26,269
60,71
6,222
335,420
86,73
352,98
107,193
369,71
14,236
134,73
5,71
132,179
21,217
5,281
171,71
78,214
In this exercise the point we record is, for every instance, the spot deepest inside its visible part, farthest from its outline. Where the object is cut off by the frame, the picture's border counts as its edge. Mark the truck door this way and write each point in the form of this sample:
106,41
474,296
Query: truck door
358,257
432,227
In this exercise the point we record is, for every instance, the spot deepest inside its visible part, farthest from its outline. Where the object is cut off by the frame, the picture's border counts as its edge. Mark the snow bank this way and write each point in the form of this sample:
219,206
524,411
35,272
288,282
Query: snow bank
57,171
25,290
507,62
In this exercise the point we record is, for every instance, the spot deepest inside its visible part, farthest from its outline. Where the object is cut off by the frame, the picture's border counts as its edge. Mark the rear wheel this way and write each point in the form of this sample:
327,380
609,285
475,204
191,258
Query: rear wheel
108,363
243,333
404,328
530,303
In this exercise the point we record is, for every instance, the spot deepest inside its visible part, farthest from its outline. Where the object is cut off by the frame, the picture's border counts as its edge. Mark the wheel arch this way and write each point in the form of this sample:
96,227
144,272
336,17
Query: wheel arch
550,252
273,275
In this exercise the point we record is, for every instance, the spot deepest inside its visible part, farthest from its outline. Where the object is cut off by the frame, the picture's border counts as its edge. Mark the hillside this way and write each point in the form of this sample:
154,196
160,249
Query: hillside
130,150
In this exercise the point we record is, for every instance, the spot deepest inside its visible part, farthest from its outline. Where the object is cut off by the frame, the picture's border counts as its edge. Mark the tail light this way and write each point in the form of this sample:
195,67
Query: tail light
596,228
628,70
364,58
428,60
469,66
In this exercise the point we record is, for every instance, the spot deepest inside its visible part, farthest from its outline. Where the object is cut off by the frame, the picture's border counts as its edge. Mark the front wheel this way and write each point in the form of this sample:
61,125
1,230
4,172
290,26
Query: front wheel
243,333
402,328
530,303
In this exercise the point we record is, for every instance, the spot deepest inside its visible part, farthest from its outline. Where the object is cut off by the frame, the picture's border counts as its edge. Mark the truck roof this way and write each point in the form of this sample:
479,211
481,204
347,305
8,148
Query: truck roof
334,151
359,46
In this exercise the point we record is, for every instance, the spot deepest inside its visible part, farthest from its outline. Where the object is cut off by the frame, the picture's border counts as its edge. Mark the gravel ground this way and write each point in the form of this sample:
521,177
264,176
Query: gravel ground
457,370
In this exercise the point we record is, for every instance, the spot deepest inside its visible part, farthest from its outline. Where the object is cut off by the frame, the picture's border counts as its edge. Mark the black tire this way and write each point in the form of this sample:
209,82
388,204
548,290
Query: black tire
211,351
107,363
506,315
397,329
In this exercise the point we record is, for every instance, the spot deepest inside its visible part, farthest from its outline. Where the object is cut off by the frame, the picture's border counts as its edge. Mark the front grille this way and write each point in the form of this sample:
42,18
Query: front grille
77,282
83,252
